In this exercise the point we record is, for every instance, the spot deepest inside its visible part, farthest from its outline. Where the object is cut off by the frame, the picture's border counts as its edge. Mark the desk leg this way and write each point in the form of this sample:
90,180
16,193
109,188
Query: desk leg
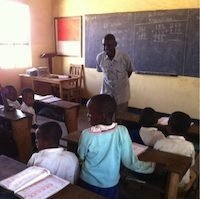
172,188
71,119
61,91
33,86
22,137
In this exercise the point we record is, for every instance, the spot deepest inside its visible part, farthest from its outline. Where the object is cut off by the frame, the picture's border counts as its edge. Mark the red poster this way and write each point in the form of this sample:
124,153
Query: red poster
68,36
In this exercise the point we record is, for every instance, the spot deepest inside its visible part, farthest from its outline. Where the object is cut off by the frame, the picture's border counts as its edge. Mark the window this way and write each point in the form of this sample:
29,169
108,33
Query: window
15,49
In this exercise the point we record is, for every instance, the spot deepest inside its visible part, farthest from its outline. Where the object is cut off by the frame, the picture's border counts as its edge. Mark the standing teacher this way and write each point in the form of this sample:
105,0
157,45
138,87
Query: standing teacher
117,68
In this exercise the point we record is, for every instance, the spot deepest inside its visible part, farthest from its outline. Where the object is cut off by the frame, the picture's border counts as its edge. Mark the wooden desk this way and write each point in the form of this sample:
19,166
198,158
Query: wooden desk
75,192
134,118
72,140
177,165
20,130
10,167
129,117
71,110
40,84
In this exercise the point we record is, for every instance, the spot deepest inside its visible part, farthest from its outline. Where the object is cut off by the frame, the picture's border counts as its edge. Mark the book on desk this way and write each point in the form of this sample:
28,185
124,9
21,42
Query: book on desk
34,182
47,98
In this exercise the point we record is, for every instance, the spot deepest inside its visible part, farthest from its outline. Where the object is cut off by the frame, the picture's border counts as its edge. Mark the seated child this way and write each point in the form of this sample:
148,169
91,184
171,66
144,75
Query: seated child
103,147
146,134
27,103
27,106
9,94
179,123
62,163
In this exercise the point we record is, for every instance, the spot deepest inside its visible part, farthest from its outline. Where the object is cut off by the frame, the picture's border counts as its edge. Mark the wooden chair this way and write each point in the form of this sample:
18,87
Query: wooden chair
72,91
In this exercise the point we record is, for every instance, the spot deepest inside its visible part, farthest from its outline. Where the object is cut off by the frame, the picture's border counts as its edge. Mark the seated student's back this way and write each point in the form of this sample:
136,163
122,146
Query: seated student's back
60,162
147,134
179,124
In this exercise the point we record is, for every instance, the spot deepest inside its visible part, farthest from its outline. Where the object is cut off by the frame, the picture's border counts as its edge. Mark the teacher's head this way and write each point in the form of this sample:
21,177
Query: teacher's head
109,44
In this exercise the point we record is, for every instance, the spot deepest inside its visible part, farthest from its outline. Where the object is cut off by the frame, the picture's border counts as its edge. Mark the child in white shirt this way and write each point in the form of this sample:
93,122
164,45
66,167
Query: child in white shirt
28,102
179,124
27,106
147,134
10,94
59,162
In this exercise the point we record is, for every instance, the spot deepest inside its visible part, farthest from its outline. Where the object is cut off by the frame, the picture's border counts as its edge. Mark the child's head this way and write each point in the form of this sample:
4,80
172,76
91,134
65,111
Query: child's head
28,96
11,93
148,117
101,109
48,135
179,123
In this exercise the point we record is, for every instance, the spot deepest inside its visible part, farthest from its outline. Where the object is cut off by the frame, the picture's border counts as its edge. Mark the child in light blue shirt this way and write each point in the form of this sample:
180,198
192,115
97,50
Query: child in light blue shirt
103,147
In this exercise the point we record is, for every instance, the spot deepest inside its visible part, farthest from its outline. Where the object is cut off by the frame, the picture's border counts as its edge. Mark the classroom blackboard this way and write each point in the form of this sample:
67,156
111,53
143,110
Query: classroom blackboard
158,42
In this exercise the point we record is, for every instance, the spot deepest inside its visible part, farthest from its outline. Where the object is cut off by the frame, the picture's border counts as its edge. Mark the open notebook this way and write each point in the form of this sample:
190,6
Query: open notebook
34,182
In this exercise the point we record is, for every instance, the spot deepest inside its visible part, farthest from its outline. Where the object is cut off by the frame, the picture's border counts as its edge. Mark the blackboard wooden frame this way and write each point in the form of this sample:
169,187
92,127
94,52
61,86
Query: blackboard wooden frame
170,46
68,36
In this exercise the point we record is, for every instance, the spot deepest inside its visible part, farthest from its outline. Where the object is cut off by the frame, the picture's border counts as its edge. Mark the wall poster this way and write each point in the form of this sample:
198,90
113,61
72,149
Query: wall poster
68,36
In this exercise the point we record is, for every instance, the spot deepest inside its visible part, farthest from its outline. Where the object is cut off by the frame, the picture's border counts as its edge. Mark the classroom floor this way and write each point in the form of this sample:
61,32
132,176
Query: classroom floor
128,191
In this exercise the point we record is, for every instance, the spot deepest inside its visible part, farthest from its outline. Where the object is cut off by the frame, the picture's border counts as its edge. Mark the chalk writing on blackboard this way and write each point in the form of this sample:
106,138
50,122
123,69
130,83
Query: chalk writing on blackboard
159,42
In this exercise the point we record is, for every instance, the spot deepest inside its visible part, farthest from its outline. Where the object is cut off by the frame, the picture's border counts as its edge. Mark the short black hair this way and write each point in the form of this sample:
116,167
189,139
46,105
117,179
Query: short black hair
10,87
148,117
25,91
104,104
50,131
109,37
179,122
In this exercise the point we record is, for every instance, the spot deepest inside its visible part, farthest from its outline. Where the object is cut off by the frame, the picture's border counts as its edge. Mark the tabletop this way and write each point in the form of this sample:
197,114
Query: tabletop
10,167
172,162
14,114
